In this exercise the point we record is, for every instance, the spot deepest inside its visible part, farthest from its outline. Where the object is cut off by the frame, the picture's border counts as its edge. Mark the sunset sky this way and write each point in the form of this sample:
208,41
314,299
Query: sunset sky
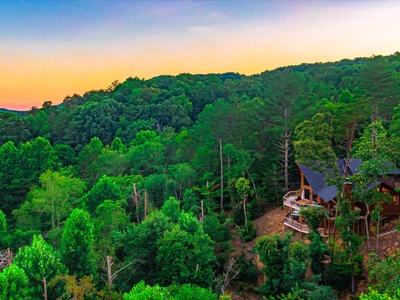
52,49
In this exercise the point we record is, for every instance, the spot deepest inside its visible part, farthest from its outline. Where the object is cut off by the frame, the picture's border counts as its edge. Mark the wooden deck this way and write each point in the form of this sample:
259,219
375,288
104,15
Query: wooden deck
294,224
291,200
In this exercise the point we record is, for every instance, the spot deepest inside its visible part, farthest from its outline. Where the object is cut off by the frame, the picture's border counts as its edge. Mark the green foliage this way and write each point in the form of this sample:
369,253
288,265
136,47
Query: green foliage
110,163
318,254
326,105
79,289
87,158
375,295
18,238
110,223
216,226
248,234
21,167
3,230
13,128
77,244
38,261
11,177
373,143
285,269
14,284
94,119
104,189
185,258
346,262
118,145
309,290
37,157
141,291
51,202
147,154
66,155
248,271
155,186
191,202
384,274
243,187
342,267
171,252
313,142
171,208
299,251
274,254
314,215
379,80
183,176
141,244
186,254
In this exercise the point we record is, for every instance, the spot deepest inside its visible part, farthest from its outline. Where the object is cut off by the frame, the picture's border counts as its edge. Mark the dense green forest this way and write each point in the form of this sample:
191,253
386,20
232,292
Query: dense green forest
136,191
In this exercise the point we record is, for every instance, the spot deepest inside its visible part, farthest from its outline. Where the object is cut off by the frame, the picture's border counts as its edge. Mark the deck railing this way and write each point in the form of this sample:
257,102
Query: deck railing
290,222
292,194
293,200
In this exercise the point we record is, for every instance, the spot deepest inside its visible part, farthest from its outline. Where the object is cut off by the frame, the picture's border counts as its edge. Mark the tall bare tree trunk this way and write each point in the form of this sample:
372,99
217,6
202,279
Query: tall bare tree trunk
284,149
52,213
110,275
252,182
222,175
44,288
145,203
135,198
377,234
367,229
110,262
202,211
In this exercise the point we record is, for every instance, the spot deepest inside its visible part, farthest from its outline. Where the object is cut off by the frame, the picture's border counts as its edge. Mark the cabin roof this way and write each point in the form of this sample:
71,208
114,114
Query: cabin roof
327,193
317,180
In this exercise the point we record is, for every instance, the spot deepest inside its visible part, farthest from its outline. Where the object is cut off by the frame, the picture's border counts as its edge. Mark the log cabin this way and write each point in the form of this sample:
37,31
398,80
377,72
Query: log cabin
315,192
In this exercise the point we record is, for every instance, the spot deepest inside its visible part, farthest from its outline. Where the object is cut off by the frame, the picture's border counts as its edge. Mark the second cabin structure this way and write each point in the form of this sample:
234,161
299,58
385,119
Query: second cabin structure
315,192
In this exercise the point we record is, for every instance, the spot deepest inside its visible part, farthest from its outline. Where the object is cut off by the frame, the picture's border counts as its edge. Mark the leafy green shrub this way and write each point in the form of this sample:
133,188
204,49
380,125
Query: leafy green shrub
249,234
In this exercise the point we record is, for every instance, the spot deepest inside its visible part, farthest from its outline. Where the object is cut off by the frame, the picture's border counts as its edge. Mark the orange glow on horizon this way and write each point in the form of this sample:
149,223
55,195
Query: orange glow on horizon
37,70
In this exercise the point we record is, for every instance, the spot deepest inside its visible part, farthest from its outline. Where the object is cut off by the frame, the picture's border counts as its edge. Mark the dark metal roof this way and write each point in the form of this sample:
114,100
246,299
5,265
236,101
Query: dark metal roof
317,180
327,193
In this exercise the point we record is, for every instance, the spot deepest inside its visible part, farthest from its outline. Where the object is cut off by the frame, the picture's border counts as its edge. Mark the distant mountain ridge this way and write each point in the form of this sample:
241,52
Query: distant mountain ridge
18,112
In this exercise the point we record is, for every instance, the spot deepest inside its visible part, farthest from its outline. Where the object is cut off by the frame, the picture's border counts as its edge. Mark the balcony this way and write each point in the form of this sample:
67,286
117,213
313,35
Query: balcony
293,200
293,220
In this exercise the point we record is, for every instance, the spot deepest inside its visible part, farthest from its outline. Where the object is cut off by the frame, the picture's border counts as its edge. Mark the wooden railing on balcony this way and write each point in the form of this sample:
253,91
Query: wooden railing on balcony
293,200
299,226
292,195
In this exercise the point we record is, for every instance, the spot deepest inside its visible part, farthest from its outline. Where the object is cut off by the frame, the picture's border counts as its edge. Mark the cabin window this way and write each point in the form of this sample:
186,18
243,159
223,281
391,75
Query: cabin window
396,199
307,194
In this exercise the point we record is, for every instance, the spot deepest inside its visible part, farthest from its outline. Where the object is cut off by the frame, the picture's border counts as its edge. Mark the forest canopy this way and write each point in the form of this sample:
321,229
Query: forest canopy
138,188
